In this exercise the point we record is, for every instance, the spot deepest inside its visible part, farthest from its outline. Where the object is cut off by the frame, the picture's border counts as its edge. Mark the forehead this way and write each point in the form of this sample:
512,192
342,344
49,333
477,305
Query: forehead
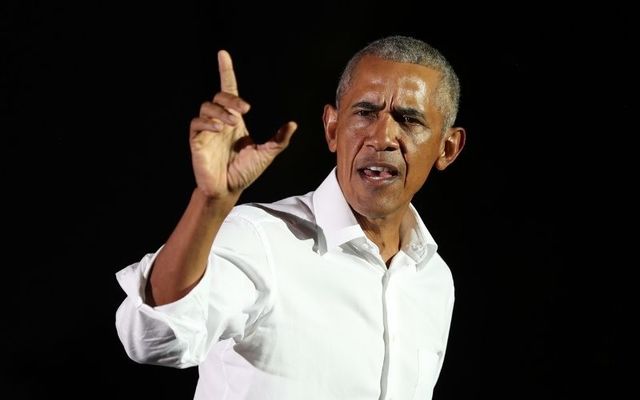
382,80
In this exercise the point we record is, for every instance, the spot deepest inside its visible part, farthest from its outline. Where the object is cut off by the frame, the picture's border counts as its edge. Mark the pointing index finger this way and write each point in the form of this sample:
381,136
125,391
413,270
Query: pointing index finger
228,82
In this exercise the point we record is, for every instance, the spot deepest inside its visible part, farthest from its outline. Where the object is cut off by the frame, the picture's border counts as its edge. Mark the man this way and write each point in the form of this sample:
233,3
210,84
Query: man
336,294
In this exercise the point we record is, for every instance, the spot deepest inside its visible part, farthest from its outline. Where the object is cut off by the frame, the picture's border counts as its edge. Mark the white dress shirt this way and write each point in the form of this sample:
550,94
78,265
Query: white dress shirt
297,303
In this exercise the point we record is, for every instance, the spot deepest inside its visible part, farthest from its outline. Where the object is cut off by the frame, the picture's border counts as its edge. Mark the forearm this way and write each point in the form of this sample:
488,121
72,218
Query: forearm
181,262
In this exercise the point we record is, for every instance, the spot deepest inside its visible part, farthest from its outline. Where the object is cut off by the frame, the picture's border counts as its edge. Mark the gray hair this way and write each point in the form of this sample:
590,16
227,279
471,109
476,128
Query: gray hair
410,50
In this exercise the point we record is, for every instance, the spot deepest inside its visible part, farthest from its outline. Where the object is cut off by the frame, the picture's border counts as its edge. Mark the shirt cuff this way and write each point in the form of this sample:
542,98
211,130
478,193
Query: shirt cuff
133,280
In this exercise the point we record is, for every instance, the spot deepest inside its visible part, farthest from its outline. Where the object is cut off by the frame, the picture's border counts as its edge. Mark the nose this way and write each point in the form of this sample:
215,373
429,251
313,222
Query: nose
384,135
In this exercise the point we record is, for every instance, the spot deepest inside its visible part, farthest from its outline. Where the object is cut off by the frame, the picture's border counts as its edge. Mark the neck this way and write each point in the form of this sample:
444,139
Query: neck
384,232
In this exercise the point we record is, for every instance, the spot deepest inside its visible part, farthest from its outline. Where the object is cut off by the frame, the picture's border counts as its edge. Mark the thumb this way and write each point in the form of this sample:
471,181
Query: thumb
284,134
281,139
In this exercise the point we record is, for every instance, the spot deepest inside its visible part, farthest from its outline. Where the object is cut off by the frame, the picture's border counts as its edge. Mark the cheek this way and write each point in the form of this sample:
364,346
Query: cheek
424,139
421,154
346,154
355,129
427,145
350,141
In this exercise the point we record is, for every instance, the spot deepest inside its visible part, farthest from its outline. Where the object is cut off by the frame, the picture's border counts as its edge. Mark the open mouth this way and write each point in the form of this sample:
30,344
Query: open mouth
378,172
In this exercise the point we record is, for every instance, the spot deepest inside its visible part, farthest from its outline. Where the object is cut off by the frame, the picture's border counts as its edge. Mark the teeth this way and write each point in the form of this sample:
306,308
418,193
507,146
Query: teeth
378,169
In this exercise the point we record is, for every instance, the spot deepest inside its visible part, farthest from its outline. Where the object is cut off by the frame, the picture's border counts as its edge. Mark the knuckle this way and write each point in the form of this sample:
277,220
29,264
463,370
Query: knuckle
242,106
204,107
220,96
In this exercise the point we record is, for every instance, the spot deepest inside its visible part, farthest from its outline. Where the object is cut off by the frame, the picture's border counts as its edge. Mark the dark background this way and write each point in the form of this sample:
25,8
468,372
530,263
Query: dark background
96,103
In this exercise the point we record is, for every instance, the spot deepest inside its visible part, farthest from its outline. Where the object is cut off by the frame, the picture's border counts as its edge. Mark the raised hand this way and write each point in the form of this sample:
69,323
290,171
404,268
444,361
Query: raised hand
225,159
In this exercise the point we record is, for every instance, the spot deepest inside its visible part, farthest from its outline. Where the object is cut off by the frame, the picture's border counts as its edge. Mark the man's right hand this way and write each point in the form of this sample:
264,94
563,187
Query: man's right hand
225,159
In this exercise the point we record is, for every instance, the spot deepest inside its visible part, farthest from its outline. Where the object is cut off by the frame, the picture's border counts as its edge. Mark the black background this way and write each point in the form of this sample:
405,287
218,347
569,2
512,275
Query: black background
96,102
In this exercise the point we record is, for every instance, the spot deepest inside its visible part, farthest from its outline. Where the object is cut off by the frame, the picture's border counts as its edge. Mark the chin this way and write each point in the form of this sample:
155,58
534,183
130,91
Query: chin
376,209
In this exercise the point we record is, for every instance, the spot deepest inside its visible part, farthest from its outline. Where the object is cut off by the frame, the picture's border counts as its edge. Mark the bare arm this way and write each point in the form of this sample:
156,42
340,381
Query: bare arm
225,162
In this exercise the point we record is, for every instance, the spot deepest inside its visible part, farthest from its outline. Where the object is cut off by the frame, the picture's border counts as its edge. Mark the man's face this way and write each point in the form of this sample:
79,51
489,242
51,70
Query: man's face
387,133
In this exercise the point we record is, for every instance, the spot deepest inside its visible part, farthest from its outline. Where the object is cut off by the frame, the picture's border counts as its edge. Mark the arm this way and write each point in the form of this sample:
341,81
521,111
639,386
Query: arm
225,162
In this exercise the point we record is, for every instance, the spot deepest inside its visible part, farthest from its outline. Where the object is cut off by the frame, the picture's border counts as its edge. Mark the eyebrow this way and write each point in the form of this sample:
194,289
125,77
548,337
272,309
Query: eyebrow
409,112
368,106
404,111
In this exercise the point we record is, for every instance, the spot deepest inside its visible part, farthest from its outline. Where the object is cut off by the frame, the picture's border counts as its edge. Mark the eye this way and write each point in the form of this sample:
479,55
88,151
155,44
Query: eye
364,113
406,119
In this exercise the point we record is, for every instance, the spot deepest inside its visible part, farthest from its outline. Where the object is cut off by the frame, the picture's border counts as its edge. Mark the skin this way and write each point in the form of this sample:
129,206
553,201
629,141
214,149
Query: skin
371,128
225,162
388,118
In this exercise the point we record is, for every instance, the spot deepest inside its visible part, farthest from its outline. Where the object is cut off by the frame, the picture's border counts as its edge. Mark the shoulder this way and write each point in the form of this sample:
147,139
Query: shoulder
288,210
269,224
439,267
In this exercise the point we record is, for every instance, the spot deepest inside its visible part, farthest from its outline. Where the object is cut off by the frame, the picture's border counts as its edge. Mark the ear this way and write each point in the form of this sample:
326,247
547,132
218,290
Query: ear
330,120
452,145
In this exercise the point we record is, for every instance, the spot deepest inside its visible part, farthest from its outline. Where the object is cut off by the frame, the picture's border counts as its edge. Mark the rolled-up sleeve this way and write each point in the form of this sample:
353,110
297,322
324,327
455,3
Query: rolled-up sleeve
227,303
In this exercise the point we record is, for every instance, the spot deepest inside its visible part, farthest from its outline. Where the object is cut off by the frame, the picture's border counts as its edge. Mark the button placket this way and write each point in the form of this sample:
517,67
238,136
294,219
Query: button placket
391,330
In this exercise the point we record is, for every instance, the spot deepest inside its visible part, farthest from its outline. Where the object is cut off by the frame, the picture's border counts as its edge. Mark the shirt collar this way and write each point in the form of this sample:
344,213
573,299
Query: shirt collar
333,214
415,239
339,226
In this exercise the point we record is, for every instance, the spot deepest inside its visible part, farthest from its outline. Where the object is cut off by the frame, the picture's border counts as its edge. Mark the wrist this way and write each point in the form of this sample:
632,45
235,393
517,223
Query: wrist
215,204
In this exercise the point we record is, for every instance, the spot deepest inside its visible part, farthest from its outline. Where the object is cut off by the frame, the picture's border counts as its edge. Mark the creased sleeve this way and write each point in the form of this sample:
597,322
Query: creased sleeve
445,335
227,302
